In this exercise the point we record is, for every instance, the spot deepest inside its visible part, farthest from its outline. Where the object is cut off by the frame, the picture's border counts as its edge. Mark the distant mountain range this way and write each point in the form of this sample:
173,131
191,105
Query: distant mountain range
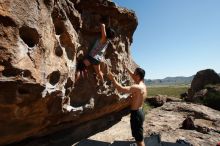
171,81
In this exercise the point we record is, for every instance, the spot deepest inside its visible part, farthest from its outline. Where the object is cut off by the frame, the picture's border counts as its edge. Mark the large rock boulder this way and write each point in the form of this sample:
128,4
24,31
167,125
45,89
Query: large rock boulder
203,78
159,100
40,44
205,89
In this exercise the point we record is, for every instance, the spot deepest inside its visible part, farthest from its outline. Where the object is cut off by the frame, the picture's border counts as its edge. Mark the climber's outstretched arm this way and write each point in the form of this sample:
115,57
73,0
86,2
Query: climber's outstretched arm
103,31
129,71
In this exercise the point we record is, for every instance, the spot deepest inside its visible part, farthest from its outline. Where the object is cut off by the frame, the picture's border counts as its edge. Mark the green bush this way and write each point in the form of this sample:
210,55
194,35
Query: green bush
147,107
212,99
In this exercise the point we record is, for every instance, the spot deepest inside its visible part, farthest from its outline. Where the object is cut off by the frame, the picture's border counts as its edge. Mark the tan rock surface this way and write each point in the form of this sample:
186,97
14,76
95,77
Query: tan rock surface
39,43
167,121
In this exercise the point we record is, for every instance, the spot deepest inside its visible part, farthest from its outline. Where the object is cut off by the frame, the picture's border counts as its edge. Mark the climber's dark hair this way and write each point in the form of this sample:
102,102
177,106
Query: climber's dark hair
110,33
104,19
140,72
80,66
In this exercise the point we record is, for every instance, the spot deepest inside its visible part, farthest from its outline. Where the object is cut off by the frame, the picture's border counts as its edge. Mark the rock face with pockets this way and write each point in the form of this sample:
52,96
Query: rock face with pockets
41,42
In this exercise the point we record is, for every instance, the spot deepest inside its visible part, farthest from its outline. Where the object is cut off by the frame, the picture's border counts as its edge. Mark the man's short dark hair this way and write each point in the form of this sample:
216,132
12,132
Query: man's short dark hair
140,72
110,33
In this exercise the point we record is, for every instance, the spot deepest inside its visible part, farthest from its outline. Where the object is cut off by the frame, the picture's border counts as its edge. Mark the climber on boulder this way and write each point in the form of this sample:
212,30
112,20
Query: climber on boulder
96,54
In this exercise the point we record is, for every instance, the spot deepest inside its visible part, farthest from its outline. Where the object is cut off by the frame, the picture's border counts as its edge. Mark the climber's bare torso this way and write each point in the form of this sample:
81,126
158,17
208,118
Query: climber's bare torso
138,94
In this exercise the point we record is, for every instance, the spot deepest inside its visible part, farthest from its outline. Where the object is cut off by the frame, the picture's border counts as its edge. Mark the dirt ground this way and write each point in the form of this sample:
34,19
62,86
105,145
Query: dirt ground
119,132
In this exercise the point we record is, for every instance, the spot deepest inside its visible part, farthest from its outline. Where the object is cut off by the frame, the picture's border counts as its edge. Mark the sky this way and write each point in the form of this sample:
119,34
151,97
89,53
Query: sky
175,37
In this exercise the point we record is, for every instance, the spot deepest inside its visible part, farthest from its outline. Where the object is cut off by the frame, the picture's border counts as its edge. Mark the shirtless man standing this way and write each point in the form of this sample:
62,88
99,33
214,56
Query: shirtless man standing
138,92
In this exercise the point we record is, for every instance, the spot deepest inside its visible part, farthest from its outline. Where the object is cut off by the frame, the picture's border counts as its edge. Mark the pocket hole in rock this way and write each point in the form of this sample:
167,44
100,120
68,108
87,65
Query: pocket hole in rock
29,35
54,77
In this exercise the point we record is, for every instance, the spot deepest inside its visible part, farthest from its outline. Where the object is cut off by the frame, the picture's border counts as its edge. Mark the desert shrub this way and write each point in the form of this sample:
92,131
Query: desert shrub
212,99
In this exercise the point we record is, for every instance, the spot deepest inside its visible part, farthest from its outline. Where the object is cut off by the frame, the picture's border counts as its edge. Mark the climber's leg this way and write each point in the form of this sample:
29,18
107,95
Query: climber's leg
84,73
77,76
96,66
86,62
81,68
99,72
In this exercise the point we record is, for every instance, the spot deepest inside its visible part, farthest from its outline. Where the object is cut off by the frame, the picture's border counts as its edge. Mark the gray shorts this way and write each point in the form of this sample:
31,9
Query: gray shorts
136,121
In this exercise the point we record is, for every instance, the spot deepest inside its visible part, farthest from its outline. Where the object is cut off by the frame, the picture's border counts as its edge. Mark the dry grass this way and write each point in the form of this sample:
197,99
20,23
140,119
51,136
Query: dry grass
173,91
